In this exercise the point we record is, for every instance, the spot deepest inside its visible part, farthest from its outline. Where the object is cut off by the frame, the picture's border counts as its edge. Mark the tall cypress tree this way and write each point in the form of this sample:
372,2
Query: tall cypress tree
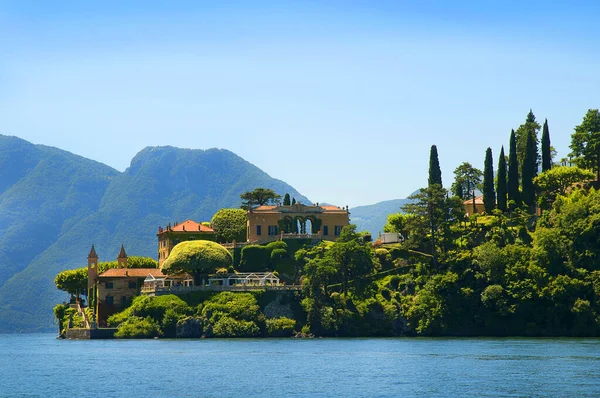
528,172
489,194
512,183
435,173
501,183
546,150
286,200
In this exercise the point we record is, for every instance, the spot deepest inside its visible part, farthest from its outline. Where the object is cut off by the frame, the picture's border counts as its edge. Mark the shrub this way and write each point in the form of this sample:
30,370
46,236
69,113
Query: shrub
153,307
278,244
278,254
169,323
394,282
231,314
280,327
229,327
136,328
255,258
229,225
197,257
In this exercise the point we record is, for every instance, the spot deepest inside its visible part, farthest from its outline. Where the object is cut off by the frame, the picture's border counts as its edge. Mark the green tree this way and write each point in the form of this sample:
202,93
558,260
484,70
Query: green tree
293,201
531,126
198,257
354,261
428,206
585,142
528,173
396,222
501,181
546,148
466,179
73,281
286,200
229,225
512,182
489,195
435,173
557,180
258,197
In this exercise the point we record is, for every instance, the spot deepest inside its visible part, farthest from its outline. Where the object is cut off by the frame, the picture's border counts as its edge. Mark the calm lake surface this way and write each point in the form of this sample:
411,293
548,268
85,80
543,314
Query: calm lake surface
39,365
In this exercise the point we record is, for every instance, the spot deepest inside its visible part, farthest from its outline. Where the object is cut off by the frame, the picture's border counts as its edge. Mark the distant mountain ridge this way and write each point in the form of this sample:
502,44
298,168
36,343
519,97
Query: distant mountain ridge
54,204
372,218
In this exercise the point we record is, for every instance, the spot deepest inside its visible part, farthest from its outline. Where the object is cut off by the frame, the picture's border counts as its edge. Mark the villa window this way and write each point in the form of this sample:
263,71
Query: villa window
337,230
132,285
109,285
272,230
325,230
259,230
109,300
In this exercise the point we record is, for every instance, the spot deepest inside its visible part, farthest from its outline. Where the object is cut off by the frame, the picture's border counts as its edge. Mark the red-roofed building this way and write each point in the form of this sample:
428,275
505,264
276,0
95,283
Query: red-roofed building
114,288
265,223
170,236
468,206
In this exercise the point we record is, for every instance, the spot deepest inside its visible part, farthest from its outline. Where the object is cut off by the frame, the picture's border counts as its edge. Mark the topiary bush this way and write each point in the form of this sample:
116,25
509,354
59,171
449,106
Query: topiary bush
255,258
197,257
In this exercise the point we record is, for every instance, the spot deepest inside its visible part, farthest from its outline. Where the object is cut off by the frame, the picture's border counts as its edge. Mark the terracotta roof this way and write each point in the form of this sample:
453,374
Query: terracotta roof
191,226
122,253
93,253
478,201
131,272
330,207
264,207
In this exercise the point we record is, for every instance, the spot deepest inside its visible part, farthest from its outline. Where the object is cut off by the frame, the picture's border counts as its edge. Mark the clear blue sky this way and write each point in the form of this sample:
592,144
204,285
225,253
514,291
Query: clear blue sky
341,99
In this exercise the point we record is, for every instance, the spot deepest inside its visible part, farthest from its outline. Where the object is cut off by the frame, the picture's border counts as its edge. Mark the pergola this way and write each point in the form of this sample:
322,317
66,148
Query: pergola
169,281
245,279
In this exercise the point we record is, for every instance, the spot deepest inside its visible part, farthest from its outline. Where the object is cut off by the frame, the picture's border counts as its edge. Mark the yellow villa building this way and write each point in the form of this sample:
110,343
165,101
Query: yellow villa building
265,223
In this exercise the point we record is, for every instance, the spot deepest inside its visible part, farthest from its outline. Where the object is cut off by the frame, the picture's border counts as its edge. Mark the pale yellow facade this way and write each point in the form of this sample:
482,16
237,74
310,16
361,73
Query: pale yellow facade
266,223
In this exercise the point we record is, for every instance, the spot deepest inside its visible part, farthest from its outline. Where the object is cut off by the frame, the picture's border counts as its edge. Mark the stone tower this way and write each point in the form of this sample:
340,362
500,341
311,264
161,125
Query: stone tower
92,268
122,258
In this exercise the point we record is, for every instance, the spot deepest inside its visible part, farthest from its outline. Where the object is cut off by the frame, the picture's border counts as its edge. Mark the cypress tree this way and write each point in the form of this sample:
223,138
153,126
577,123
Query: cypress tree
459,191
546,150
435,173
512,183
528,172
293,201
286,200
501,183
489,194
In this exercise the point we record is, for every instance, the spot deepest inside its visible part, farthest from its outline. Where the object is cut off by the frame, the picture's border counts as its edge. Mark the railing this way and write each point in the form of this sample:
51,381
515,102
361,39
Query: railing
81,311
218,288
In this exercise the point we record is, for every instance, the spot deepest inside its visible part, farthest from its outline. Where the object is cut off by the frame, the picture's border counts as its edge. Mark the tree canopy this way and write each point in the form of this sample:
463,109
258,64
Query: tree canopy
286,200
585,142
501,181
435,173
546,148
229,225
512,180
557,180
258,197
489,194
197,257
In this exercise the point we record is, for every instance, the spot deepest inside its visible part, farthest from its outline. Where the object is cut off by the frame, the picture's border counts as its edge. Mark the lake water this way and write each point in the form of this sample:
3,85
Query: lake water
40,365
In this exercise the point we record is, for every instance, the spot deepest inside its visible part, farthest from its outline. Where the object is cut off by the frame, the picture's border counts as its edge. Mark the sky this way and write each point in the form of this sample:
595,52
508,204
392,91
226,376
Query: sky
340,99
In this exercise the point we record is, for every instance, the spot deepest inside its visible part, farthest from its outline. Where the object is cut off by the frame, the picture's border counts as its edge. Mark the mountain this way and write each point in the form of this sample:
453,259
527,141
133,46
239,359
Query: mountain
373,217
54,205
